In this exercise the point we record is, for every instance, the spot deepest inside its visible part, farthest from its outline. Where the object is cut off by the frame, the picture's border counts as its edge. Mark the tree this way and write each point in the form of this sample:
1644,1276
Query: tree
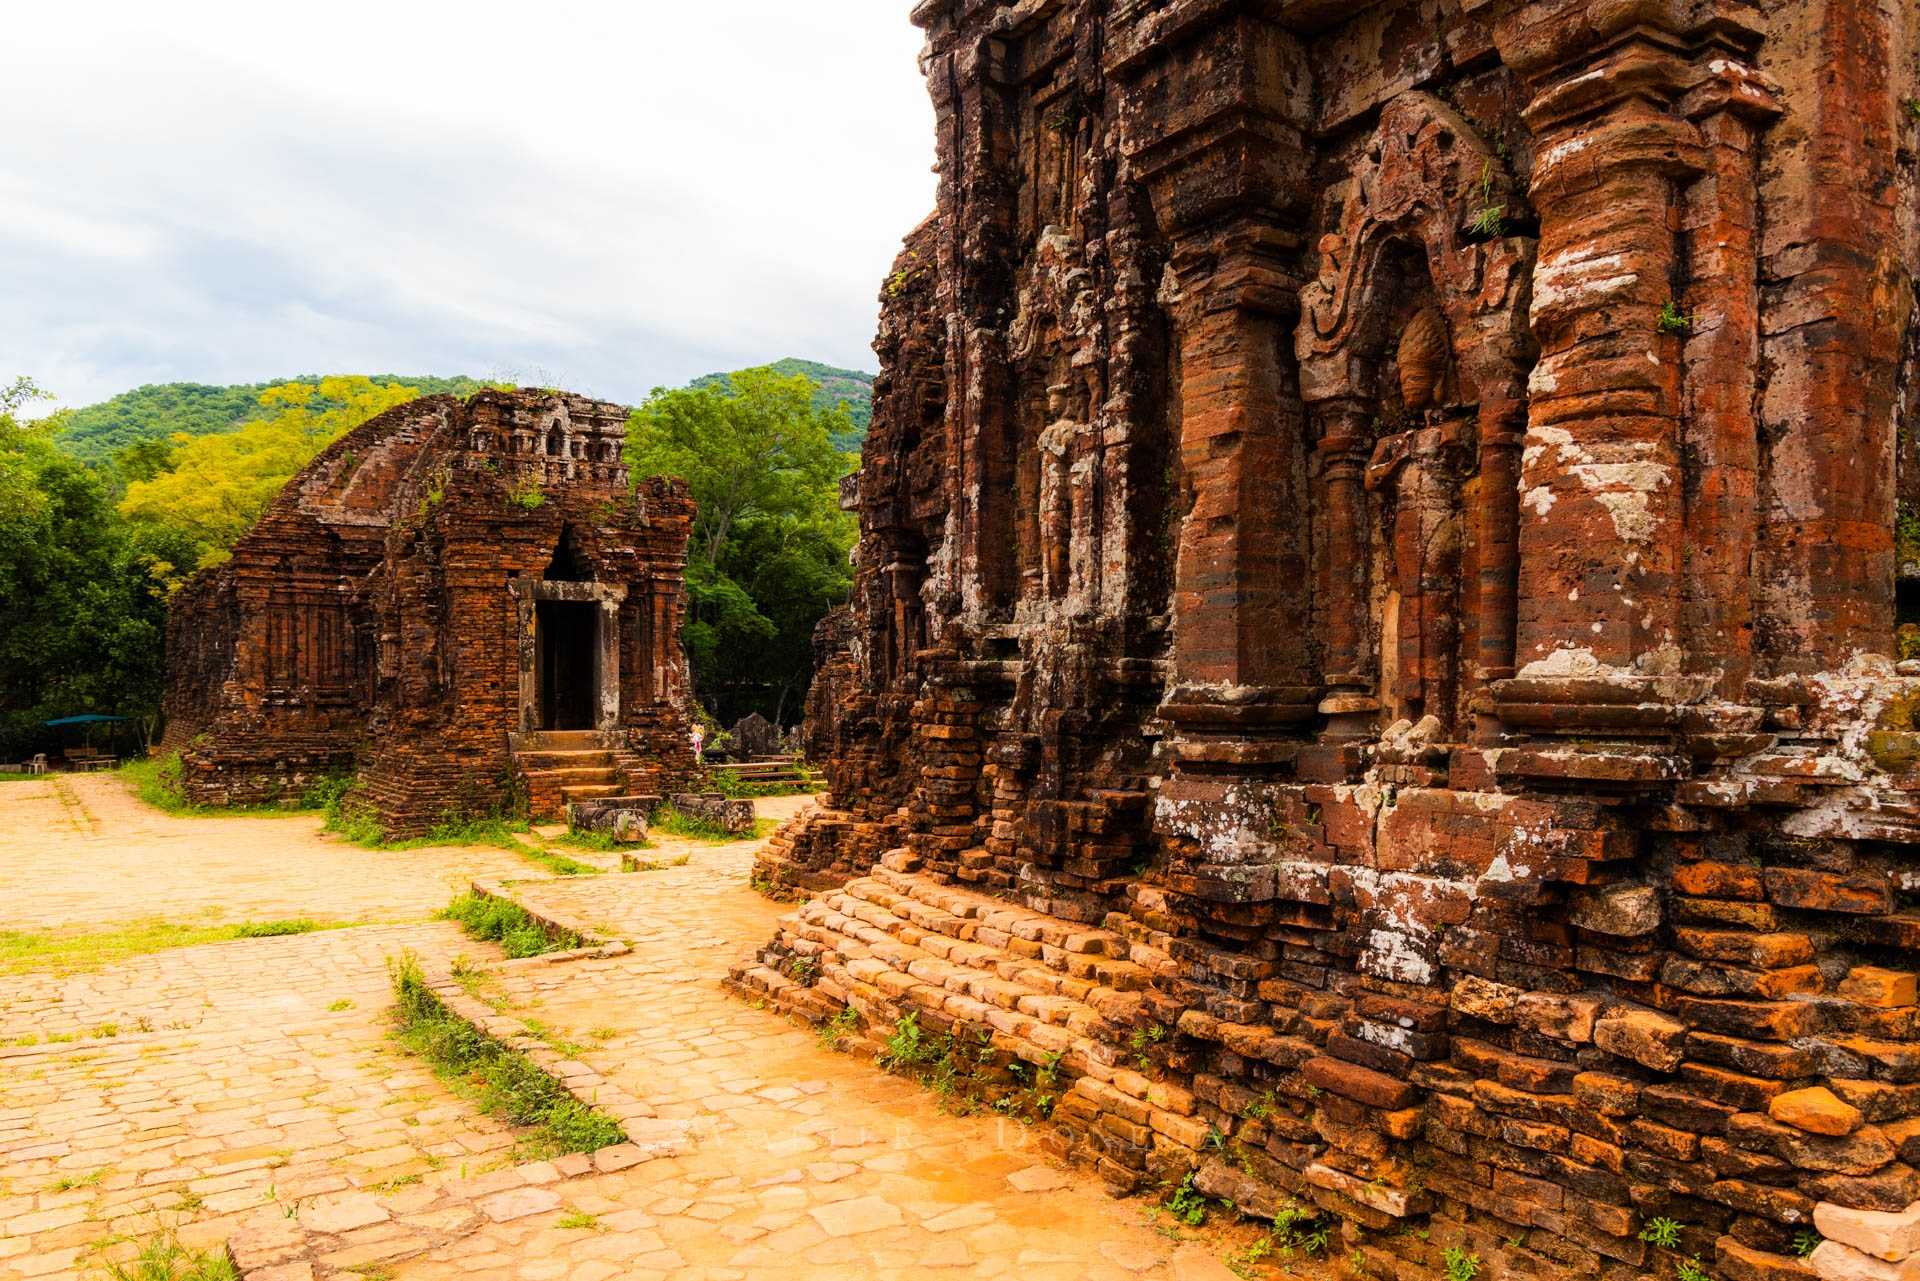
81,631
192,503
769,551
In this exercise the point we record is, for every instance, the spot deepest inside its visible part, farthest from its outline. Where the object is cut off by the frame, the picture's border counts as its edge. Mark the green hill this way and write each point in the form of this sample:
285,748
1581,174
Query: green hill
97,432
832,386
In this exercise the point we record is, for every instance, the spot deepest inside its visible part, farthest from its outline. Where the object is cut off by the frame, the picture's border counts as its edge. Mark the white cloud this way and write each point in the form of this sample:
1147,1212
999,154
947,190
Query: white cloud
607,196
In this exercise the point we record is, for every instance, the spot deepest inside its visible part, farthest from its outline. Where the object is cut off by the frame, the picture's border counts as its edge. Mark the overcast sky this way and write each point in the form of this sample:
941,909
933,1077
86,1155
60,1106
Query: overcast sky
606,196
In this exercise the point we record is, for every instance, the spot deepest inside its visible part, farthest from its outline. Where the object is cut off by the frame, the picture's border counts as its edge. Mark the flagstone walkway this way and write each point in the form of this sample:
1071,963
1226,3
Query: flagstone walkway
225,1086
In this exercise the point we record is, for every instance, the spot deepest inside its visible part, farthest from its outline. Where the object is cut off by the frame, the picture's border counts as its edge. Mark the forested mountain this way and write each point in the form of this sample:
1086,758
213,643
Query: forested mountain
96,433
155,412
832,387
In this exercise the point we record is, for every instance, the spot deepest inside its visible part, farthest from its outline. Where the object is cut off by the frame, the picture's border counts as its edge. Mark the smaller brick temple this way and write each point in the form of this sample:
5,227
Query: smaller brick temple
464,602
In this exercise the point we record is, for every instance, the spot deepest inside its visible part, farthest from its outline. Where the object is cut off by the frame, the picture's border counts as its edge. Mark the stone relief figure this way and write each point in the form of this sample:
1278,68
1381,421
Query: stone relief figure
1056,493
1417,474
1413,346
1053,336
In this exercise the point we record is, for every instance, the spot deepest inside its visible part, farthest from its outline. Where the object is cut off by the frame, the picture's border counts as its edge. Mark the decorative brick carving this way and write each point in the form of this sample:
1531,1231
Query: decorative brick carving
1320,632
448,584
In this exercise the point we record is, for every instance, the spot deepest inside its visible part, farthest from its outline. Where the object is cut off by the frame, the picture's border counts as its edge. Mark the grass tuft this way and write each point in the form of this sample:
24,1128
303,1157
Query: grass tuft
558,864
598,842
163,1258
23,950
671,822
500,1082
496,920
273,929
157,780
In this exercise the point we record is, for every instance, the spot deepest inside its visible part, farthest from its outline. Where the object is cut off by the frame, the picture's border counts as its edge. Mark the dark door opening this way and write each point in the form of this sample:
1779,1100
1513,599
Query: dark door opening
566,631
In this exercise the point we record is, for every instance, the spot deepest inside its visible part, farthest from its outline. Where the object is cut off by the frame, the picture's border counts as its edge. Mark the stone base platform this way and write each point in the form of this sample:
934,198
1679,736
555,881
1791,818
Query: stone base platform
1046,992
820,849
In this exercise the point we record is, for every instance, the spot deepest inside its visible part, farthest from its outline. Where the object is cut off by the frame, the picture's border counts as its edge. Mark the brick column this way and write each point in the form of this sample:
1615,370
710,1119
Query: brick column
1720,217
1831,255
1223,158
1350,701
1240,596
1602,517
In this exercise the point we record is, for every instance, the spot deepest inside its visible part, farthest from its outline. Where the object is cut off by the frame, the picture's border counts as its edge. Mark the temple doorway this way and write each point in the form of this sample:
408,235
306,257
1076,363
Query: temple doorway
567,638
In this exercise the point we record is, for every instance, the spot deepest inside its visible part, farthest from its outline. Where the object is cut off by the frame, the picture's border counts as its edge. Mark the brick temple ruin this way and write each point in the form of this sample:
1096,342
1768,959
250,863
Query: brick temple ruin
1375,627
465,602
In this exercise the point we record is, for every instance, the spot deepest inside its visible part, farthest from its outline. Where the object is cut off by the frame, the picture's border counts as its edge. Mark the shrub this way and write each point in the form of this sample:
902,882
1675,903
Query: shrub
157,781
324,793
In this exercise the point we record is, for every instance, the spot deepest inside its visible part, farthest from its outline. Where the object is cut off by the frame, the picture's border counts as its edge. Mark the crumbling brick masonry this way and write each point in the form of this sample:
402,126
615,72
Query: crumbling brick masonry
463,601
1375,628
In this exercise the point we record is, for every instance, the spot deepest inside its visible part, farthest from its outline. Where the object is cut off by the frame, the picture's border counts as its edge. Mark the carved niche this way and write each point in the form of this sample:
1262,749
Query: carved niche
1055,347
1413,350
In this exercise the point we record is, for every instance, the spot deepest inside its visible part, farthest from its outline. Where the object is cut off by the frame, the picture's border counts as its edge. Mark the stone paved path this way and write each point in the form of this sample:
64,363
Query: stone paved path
809,1163
82,851
208,1081
205,1085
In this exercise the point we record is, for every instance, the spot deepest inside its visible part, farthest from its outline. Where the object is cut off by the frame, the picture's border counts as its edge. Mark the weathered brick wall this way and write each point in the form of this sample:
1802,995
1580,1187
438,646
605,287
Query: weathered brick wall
1378,558
369,621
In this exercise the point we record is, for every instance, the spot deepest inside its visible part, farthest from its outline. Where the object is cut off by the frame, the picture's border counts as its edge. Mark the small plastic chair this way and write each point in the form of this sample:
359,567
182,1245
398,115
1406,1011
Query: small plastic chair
38,765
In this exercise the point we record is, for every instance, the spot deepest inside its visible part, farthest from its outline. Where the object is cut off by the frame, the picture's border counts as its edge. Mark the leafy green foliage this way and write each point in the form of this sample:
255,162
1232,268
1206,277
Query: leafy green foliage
832,387
211,489
769,550
1489,219
1460,1264
528,495
500,1082
155,414
1806,1241
1906,535
1661,1232
908,1046
80,632
495,920
1188,1203
1295,1230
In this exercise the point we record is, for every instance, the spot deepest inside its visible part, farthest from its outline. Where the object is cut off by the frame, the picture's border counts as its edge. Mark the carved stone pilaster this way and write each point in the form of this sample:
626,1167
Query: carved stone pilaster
1602,503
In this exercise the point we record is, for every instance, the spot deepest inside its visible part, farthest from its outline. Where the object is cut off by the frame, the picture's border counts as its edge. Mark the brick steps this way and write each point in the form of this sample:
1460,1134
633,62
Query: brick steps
609,785
542,740
555,758
1050,991
574,774
559,767
775,769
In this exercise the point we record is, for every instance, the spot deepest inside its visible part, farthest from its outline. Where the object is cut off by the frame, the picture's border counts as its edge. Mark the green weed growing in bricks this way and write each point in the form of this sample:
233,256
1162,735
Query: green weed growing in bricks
495,920
1461,1265
500,1082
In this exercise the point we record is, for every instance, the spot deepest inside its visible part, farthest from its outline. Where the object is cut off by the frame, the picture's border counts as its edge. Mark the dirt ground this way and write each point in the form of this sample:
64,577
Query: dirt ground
231,1085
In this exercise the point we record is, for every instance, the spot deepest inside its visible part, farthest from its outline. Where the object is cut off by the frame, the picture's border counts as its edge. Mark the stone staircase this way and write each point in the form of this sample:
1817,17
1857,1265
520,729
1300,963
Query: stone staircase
1050,992
778,770
562,766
